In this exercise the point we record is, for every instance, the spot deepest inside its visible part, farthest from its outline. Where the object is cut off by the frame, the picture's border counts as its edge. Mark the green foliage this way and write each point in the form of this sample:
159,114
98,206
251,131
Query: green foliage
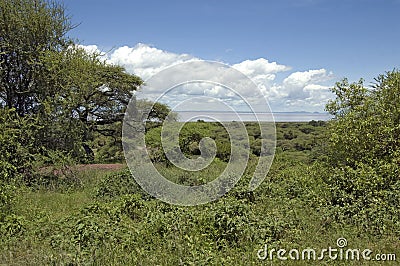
93,227
7,197
299,137
366,124
193,132
111,152
116,185
28,31
364,152
191,178
12,226
223,150
152,113
91,99
17,145
8,172
121,225
159,112
63,92
57,172
60,105
230,218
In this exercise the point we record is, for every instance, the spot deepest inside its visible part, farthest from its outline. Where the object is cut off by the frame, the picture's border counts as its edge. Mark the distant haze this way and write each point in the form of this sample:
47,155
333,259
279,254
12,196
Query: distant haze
231,116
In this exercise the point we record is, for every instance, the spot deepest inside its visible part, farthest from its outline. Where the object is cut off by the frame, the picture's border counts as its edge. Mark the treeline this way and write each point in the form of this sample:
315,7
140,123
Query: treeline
302,139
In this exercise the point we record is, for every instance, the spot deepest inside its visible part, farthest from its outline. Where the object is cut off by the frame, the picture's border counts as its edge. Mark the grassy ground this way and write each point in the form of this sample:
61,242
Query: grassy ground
81,227
102,217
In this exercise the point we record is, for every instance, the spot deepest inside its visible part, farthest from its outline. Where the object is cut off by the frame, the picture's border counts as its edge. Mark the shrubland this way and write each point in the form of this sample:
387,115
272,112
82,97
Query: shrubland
61,106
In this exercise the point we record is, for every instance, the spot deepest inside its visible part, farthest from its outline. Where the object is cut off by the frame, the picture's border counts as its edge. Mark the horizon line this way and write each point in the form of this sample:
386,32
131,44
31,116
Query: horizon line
248,112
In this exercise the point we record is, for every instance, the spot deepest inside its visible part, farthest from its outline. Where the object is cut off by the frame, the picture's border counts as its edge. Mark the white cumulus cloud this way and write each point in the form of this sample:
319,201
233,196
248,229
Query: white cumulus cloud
306,90
260,66
144,60
298,91
90,48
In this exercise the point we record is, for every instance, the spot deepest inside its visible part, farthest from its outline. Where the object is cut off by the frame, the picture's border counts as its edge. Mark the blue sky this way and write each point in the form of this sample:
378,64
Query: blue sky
354,38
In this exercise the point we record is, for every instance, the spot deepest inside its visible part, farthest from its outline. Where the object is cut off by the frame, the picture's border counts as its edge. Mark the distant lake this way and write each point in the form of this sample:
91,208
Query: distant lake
229,116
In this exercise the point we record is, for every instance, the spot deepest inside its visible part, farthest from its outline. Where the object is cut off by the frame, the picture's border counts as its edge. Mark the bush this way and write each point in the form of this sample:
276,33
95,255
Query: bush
118,184
94,227
364,152
6,199
12,225
8,172
366,196
17,145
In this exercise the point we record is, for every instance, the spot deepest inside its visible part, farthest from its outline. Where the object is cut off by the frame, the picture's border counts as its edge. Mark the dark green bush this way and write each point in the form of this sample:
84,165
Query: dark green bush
7,195
118,184
17,145
12,226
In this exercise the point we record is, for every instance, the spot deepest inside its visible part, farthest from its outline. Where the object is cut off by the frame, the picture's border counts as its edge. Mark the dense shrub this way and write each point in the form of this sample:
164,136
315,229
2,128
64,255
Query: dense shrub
6,199
94,227
364,152
118,184
17,145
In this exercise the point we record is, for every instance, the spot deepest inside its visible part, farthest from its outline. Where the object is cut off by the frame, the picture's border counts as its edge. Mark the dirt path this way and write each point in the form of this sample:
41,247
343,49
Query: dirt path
114,166
80,168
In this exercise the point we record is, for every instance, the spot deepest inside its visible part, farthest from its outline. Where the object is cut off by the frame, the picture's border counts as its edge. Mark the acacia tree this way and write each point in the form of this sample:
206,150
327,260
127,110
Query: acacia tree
72,95
68,92
28,29
92,96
